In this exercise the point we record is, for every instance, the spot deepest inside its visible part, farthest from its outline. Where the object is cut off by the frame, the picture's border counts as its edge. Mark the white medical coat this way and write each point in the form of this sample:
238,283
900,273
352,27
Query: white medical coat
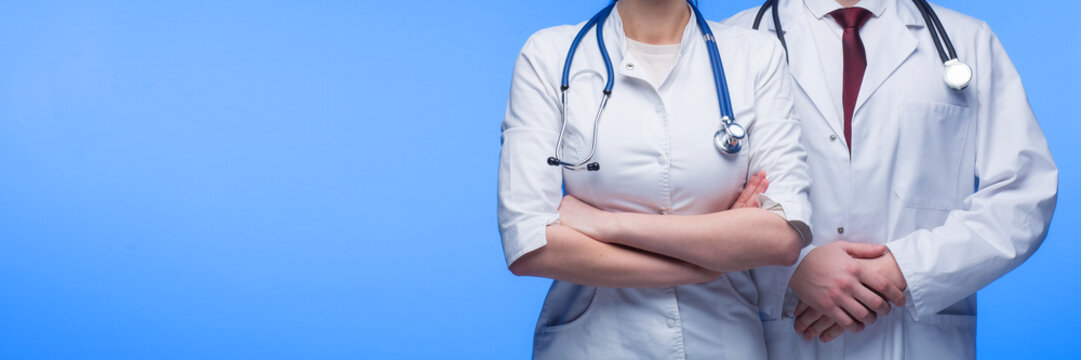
656,155
960,185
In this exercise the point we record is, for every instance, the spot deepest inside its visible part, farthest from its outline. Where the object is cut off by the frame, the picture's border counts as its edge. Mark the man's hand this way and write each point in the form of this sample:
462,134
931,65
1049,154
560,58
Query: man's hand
812,324
834,283
818,326
886,266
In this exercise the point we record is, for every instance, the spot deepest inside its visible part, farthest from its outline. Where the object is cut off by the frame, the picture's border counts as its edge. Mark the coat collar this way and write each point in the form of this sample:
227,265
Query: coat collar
885,53
803,58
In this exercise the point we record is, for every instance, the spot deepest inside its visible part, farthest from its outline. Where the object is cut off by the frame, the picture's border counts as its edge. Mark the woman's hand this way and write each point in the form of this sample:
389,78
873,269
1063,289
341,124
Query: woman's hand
585,218
598,224
757,185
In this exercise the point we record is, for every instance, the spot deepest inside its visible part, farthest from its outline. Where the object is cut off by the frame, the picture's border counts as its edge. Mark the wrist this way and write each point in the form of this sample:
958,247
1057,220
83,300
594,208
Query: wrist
608,225
894,271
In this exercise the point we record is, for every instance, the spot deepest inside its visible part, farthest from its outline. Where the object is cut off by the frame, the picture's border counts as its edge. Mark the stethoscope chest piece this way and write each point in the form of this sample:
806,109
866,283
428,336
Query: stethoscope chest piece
729,139
957,75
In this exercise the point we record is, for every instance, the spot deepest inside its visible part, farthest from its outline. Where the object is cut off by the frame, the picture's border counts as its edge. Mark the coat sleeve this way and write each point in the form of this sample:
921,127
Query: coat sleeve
529,189
1004,221
775,148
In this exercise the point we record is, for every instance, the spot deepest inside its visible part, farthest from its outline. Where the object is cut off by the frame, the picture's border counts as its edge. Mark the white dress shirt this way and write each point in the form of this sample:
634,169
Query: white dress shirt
827,37
656,156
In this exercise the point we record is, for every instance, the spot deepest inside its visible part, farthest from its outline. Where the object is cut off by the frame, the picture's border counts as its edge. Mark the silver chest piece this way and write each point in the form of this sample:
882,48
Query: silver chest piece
729,139
957,75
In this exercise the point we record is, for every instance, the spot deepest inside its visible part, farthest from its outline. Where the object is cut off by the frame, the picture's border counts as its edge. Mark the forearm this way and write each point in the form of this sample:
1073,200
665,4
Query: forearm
732,240
574,257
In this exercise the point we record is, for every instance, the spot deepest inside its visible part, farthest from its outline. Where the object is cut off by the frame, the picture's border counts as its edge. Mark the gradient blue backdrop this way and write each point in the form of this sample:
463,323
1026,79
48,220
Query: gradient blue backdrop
287,179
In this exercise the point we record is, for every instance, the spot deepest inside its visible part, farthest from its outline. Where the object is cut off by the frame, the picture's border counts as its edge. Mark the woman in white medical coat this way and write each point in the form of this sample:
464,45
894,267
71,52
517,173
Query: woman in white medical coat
648,260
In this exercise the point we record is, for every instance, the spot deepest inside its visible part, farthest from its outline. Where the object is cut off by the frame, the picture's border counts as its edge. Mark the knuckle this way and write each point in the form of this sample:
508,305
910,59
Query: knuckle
852,268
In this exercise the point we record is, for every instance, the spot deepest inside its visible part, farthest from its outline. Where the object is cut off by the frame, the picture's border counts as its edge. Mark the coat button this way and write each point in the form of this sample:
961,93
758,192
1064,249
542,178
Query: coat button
661,160
630,66
833,137
840,229
671,323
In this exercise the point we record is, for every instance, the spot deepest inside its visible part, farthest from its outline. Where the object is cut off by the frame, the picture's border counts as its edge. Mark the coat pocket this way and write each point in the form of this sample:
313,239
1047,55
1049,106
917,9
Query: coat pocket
932,143
940,336
563,331
782,341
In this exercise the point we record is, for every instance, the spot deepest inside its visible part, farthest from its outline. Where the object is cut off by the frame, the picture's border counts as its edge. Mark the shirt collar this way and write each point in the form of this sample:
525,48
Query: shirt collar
821,8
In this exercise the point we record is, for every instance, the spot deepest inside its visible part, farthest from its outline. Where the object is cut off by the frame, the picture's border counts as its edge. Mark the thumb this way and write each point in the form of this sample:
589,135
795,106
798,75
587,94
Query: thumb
860,250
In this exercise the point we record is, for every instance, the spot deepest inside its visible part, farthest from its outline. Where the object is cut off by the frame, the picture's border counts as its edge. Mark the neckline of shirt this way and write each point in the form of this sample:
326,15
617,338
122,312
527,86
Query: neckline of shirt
615,23
821,8
655,49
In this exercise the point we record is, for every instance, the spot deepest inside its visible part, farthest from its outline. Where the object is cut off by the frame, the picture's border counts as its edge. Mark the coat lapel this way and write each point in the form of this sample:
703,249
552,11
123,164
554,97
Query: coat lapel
887,51
805,64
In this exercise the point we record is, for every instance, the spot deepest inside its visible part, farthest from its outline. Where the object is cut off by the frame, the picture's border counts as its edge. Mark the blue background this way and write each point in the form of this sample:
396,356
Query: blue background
275,179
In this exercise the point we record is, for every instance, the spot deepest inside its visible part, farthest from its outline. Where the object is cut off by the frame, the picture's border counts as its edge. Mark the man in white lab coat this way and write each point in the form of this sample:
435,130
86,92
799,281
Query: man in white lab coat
958,184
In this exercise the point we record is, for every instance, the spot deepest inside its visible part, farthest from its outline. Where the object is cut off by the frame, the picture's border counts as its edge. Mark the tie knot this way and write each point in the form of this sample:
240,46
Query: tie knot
852,17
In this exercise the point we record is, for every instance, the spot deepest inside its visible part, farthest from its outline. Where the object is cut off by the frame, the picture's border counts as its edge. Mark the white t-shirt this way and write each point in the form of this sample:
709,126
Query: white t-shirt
655,60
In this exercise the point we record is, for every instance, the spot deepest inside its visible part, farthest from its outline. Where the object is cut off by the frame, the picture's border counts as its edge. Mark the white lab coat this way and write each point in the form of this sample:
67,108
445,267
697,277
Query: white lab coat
656,155
920,150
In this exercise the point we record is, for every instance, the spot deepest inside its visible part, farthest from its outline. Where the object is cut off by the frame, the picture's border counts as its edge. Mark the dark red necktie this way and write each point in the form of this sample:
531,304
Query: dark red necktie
851,19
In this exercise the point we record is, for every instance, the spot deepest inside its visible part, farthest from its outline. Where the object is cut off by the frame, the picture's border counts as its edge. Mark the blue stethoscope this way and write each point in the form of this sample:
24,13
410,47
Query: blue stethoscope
957,74
728,139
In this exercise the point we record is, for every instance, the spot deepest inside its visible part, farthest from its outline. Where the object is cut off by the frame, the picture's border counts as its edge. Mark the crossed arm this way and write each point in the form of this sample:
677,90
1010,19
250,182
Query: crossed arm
599,248
842,286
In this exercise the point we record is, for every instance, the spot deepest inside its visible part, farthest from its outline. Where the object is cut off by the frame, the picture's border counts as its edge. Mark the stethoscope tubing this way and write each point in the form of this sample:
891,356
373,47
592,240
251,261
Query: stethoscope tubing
597,21
730,135
944,46
719,80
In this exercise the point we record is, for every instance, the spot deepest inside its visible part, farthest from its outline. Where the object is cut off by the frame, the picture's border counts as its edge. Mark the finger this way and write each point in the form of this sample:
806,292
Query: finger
843,318
763,185
857,311
818,328
811,332
832,333
872,301
748,190
861,250
804,321
883,286
800,308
